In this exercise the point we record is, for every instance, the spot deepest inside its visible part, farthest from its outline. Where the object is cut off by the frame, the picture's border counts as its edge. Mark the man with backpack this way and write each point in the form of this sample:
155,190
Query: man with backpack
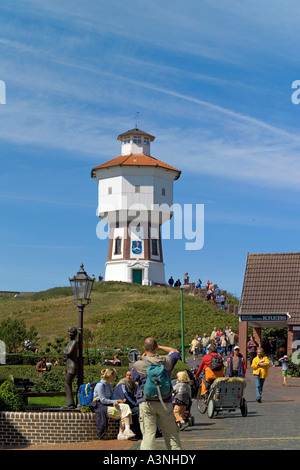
212,366
152,373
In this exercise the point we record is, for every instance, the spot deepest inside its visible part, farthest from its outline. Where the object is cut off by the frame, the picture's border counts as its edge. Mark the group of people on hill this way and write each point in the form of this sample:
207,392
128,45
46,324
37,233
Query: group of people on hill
213,291
100,277
186,281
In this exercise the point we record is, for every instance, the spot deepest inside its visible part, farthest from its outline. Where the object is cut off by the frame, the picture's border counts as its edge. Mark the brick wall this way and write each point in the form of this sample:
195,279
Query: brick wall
32,427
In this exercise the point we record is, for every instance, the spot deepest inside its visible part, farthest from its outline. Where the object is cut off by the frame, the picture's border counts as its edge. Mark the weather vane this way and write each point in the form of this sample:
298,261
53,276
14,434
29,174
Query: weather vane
136,119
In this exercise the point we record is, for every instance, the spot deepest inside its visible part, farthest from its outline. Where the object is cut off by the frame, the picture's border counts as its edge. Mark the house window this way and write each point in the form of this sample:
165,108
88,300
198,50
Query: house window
137,140
146,140
137,189
118,246
163,191
126,140
109,190
154,246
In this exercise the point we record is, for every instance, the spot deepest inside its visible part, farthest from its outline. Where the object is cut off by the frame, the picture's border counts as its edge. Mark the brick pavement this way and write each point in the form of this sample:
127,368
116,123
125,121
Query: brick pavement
273,424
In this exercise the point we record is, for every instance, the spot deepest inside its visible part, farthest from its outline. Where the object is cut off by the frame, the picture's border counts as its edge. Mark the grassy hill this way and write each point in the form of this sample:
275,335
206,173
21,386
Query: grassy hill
119,314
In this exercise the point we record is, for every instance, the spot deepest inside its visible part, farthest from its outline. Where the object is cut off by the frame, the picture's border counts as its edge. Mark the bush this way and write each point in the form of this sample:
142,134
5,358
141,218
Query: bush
294,369
52,381
10,398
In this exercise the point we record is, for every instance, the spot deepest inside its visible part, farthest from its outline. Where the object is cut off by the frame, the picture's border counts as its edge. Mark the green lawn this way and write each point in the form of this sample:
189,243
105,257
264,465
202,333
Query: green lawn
46,401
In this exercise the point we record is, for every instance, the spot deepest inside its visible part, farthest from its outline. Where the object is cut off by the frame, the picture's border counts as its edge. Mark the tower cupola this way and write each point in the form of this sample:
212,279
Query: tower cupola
135,142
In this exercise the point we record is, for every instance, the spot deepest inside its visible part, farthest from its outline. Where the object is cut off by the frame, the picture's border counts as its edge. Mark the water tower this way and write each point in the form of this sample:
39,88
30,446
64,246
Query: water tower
135,194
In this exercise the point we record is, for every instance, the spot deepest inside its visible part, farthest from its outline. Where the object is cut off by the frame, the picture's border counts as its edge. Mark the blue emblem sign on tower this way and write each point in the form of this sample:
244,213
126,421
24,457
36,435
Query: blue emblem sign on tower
137,247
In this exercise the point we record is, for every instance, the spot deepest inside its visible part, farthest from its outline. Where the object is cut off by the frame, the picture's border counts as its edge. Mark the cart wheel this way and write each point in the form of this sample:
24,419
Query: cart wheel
211,408
192,421
244,407
201,405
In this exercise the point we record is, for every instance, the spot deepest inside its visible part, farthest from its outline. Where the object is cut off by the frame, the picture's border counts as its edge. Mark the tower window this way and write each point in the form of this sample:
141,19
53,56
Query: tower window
137,140
154,246
118,246
109,190
163,191
137,189
126,140
146,140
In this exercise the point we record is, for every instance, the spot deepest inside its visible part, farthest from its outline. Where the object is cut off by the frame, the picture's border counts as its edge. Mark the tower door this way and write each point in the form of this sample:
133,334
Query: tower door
137,276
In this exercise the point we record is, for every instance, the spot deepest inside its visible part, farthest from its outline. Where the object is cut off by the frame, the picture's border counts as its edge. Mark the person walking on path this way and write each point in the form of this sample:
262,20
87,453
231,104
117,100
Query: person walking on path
252,346
195,347
205,341
236,364
284,362
151,411
182,393
232,341
260,366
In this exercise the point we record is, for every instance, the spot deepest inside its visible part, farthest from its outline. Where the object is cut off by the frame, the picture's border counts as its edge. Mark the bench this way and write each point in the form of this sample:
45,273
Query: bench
23,384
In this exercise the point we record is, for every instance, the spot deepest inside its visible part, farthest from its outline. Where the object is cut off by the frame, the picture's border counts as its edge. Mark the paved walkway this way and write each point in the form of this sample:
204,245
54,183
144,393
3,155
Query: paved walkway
273,424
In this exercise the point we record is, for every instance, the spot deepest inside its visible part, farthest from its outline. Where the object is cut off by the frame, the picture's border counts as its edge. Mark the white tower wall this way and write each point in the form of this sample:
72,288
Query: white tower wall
135,196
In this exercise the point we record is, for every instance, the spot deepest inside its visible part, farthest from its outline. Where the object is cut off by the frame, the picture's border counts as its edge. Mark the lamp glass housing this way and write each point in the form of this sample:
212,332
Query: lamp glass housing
82,286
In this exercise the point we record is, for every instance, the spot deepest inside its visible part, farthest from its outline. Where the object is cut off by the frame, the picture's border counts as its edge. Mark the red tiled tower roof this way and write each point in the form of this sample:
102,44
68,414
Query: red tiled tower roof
136,160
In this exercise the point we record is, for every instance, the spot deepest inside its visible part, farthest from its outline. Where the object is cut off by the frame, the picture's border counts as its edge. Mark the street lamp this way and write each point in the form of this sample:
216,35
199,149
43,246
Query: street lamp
182,288
82,286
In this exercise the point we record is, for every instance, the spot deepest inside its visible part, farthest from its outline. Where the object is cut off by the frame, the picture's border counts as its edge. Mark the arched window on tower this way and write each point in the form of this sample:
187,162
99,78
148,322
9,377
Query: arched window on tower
118,246
154,247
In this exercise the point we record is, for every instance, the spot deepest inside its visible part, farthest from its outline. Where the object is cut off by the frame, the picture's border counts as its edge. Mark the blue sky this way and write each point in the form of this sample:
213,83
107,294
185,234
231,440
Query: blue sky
211,80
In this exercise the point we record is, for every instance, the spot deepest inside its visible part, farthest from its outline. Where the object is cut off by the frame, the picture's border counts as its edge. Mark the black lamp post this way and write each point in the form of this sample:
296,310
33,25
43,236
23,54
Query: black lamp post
82,286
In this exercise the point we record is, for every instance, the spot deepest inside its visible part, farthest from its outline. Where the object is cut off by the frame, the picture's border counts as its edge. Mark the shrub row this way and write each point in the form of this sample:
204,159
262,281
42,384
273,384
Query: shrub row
91,358
53,381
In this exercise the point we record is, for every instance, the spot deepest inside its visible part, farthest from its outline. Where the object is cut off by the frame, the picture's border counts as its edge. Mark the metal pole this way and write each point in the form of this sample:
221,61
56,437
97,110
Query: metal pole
80,346
182,329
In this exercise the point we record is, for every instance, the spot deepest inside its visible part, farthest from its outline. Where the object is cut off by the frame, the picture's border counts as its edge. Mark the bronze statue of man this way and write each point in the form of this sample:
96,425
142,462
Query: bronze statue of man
70,352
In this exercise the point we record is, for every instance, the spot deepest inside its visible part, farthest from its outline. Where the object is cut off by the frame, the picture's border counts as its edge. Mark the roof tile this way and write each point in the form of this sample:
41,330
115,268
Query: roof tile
135,160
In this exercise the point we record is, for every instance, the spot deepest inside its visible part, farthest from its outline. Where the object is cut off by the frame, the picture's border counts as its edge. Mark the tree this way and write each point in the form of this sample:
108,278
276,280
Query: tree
13,333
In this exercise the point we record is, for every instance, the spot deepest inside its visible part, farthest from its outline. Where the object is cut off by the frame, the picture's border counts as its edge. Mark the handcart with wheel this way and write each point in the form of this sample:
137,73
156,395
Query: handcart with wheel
225,394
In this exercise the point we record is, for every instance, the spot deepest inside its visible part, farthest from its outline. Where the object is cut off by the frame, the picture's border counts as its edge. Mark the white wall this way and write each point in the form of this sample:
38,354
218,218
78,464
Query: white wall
122,271
123,180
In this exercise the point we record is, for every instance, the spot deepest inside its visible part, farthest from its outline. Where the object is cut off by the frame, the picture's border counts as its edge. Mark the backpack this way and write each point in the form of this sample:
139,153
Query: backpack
86,393
158,385
216,363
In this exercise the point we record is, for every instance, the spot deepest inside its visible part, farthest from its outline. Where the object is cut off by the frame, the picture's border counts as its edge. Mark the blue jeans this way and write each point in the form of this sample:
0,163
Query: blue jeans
259,383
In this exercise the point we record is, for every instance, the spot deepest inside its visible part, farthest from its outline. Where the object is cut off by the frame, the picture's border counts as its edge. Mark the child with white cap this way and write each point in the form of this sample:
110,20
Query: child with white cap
284,362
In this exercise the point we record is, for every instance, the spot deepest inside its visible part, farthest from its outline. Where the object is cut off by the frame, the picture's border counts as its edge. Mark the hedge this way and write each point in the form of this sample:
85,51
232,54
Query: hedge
53,381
